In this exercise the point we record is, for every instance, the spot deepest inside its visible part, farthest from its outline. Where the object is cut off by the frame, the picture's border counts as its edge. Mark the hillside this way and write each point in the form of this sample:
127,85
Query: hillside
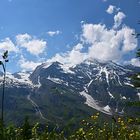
60,94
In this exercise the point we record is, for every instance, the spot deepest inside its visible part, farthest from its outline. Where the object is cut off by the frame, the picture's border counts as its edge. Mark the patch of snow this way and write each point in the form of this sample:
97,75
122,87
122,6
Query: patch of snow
23,80
80,77
123,97
127,78
88,75
128,84
55,80
66,69
138,95
89,83
93,103
39,84
104,70
118,78
24,75
107,108
110,95
73,66
87,62
67,84
37,108
86,90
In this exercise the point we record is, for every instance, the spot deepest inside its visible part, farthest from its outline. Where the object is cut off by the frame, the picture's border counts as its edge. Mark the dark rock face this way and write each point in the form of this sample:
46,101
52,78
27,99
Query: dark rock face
107,83
62,92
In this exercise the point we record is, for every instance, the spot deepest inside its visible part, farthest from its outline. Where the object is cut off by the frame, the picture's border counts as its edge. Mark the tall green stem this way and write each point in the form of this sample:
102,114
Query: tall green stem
2,111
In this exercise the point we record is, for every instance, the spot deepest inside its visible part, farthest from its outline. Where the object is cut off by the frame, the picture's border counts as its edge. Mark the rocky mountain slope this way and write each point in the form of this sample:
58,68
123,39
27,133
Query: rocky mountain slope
58,93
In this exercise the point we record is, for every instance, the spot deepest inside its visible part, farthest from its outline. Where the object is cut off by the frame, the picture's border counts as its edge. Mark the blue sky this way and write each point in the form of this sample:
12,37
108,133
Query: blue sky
35,31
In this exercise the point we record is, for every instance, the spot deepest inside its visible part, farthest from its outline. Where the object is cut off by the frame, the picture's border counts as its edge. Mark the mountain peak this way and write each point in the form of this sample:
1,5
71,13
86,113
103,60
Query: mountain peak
103,86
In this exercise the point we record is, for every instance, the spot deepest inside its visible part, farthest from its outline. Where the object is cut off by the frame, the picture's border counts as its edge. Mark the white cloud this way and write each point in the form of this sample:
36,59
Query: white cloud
82,22
101,43
110,9
53,33
129,42
7,44
76,56
108,44
26,65
22,38
118,19
73,57
32,45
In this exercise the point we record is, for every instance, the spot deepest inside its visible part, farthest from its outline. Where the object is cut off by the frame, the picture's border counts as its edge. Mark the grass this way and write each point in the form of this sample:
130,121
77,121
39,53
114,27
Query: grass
93,128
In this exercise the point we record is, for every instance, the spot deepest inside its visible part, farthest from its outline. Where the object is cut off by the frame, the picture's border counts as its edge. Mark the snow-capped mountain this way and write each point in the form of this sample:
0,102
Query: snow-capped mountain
105,86
91,85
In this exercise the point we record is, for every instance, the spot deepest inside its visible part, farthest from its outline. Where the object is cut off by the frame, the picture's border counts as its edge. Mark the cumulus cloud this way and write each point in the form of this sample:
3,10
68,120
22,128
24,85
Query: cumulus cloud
108,44
101,43
70,58
32,45
53,33
26,65
110,9
118,18
7,44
